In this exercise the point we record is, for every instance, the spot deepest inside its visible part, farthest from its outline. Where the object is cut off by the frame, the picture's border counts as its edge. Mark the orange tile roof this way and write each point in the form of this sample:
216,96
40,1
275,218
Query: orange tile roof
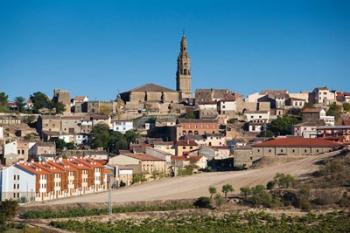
33,168
297,142
186,143
48,167
144,157
90,162
312,110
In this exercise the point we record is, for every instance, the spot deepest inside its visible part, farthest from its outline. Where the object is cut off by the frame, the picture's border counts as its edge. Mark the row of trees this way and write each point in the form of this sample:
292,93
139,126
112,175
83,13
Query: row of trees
102,137
39,100
206,202
20,102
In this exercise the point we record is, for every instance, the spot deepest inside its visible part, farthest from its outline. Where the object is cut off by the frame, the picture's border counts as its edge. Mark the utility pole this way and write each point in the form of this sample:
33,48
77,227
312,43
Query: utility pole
110,211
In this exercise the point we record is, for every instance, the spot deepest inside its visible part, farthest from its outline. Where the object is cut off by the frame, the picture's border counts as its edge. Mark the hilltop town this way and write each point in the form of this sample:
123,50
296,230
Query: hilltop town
64,146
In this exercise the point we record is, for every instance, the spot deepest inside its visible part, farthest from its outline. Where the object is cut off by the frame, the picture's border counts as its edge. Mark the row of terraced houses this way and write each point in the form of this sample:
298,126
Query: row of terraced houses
42,181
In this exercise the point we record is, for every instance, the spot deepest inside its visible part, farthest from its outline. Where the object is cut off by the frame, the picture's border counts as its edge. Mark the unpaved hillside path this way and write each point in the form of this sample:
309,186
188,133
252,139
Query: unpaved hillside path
197,185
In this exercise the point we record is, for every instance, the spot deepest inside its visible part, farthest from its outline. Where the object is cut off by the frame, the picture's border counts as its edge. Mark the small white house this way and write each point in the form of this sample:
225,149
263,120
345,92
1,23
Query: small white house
122,126
16,184
328,120
257,115
227,106
296,103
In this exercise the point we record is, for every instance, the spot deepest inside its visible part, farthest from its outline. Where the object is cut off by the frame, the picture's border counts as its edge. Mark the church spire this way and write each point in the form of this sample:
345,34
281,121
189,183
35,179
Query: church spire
183,74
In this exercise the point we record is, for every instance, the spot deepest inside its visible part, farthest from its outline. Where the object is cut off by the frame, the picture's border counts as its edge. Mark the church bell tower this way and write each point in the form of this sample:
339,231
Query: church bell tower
183,74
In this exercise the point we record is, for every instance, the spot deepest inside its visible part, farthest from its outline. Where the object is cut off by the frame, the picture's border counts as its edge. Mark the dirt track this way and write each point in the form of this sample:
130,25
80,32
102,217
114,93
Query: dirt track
197,185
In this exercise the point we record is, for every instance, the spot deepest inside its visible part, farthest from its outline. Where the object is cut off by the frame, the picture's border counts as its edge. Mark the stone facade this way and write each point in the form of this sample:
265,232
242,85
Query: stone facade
63,96
183,75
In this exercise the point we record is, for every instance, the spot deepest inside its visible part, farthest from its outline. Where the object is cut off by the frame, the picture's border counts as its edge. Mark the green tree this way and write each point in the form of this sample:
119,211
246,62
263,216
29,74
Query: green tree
190,115
212,191
282,125
203,202
116,141
245,192
3,99
130,136
60,144
3,102
100,136
346,107
334,110
266,134
226,189
20,102
232,121
284,181
40,100
60,108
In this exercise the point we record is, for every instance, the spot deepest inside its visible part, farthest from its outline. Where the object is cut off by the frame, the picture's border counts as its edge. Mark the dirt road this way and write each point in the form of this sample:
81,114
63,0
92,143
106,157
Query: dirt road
197,185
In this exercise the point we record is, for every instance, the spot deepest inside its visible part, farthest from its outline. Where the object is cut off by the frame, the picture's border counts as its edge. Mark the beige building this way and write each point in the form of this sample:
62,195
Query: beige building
42,149
77,124
185,147
150,93
294,146
146,163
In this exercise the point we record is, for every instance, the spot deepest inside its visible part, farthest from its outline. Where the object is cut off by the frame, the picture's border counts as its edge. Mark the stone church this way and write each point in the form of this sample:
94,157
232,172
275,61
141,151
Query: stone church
153,93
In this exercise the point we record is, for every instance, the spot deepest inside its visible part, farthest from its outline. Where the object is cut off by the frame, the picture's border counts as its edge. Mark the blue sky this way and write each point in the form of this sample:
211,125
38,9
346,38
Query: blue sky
100,48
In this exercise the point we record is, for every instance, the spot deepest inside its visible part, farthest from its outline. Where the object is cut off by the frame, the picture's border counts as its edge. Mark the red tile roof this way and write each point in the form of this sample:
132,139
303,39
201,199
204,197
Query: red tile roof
144,157
186,143
312,110
297,142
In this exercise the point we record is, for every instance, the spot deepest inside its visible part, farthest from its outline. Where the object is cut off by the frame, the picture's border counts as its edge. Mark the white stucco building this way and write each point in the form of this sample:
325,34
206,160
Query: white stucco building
16,184
122,126
322,95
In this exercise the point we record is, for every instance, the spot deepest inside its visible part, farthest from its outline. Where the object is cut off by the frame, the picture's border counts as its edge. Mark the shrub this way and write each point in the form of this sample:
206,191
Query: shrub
8,210
345,200
270,185
138,178
212,191
245,192
203,202
219,200
284,181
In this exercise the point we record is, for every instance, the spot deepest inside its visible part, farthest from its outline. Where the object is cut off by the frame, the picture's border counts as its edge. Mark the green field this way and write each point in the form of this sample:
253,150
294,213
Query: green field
248,222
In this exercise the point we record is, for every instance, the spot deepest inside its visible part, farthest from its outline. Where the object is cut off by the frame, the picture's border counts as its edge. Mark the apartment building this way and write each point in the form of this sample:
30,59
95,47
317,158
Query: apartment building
42,181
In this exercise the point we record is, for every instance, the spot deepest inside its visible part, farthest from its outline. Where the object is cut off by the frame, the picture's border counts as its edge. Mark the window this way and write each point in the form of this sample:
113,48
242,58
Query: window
14,177
17,186
19,152
22,152
14,186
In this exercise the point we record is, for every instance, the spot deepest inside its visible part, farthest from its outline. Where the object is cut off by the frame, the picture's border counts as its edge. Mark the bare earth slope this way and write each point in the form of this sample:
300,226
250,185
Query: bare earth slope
197,185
